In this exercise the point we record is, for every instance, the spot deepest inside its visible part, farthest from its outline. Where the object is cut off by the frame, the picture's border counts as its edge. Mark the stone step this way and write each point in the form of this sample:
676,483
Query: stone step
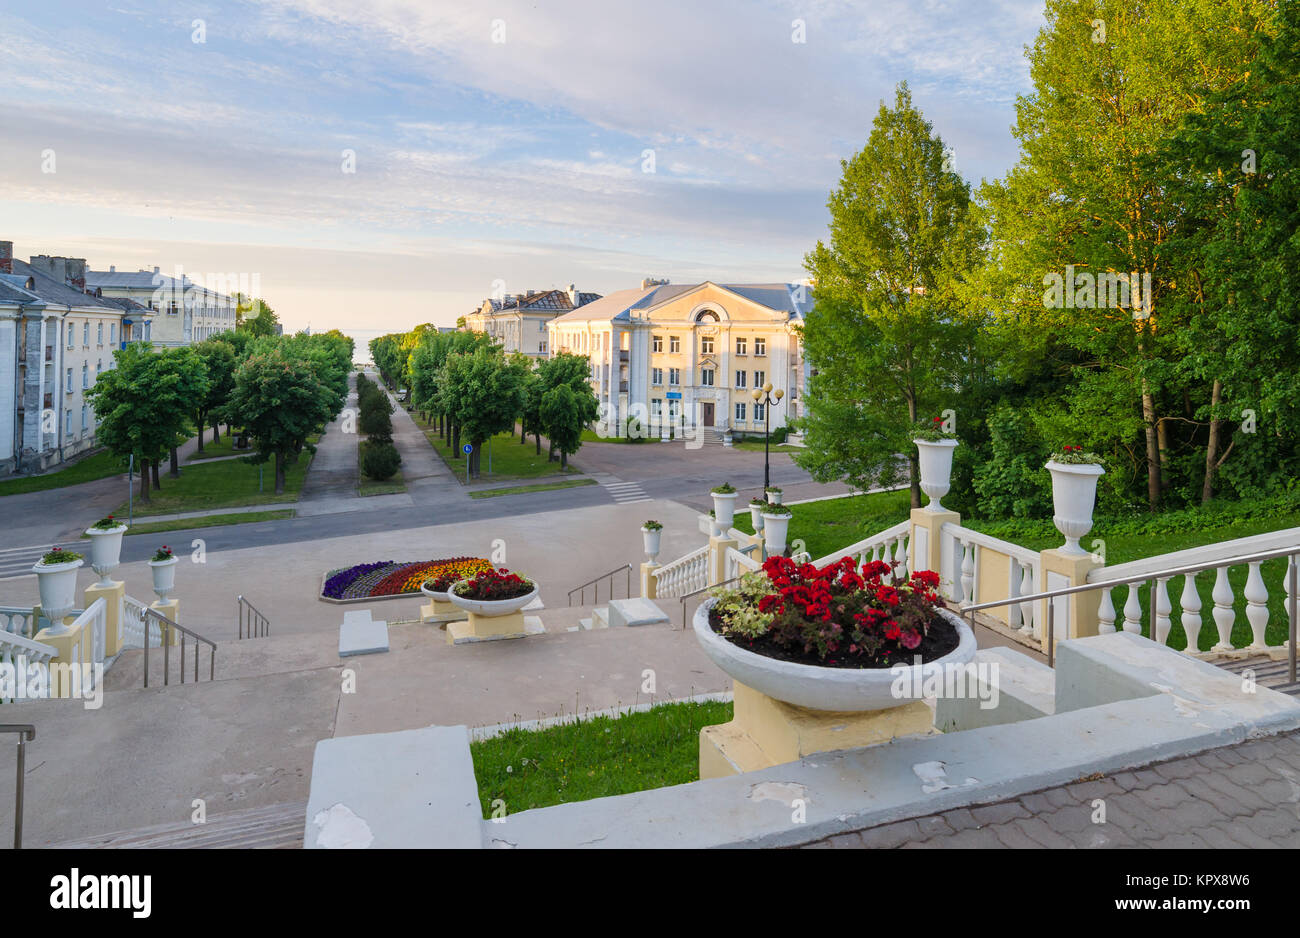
600,617
635,611
274,827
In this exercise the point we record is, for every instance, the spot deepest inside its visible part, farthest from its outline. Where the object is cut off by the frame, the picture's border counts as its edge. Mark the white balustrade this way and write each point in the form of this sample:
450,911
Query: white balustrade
19,652
1133,610
684,575
739,562
17,620
1223,614
1191,618
1256,606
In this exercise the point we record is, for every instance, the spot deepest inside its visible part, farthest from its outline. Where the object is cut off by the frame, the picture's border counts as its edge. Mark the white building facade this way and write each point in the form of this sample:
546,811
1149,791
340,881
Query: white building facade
687,356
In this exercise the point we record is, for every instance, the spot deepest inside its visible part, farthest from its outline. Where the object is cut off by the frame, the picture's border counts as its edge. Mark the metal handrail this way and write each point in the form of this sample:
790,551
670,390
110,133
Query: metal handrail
165,625
705,589
259,626
26,733
595,581
1293,595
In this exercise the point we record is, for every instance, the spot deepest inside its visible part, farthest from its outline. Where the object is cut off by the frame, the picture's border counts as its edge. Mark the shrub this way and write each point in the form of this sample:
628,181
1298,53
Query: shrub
380,459
376,423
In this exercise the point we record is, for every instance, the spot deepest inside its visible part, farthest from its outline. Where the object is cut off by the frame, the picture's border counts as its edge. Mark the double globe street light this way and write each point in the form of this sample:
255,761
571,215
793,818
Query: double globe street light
767,397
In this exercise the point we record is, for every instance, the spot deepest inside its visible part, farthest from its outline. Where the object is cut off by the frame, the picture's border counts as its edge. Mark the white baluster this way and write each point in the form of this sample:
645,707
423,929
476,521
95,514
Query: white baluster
1163,609
968,573
887,557
1133,610
1191,618
900,554
1256,606
1013,592
1028,625
1223,614
1106,612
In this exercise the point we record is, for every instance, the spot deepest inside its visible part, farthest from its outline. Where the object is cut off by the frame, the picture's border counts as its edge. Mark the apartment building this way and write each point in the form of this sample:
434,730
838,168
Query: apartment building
520,322
55,341
691,355
185,311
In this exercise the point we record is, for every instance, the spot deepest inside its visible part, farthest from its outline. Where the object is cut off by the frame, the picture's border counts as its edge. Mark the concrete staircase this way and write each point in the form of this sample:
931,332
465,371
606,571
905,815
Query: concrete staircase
274,827
625,612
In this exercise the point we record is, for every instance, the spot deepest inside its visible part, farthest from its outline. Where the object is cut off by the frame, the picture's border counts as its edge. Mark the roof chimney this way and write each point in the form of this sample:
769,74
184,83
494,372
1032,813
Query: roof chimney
6,257
112,268
573,295
649,282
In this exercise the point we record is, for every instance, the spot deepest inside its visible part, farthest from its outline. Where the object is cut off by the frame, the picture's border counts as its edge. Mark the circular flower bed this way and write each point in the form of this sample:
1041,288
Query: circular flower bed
835,616
385,578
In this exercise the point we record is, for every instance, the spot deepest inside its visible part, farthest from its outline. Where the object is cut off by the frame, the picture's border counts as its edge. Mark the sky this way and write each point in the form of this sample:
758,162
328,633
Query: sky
372,166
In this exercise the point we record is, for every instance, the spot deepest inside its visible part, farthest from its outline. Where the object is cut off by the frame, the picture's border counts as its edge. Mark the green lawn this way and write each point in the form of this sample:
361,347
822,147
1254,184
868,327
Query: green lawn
230,483
212,450
208,521
591,436
99,465
829,525
595,758
510,459
525,489
368,486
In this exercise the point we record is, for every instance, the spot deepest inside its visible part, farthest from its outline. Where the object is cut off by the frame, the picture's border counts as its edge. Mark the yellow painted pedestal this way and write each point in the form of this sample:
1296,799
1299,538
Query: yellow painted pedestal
767,732
171,609
113,597
440,613
479,628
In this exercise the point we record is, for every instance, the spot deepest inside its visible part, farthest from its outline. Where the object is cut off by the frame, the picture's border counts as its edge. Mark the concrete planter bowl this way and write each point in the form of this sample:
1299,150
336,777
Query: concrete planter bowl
490,609
57,584
1074,492
105,551
436,597
935,459
844,690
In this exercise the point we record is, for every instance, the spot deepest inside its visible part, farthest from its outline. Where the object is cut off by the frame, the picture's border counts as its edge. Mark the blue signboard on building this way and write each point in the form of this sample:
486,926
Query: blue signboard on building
674,395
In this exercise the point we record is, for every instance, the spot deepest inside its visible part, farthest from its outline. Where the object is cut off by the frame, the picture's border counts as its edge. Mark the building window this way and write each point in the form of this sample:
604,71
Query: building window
674,344
760,346
67,423
706,377
100,338
541,325
112,333
85,333
656,376
657,344
760,378
84,422
656,406
72,329
760,411
740,347
69,380
99,368
740,413
706,345
674,376
674,410
85,375
740,379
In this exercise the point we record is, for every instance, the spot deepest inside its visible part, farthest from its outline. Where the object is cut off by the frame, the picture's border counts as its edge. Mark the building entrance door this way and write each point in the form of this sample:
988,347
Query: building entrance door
706,413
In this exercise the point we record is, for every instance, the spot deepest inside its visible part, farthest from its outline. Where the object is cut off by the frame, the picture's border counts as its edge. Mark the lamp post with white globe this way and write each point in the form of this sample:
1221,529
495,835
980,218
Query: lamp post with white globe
767,397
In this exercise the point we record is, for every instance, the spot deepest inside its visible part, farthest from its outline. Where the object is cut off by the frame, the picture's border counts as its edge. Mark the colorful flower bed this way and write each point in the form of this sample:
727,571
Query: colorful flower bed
836,615
396,578
495,585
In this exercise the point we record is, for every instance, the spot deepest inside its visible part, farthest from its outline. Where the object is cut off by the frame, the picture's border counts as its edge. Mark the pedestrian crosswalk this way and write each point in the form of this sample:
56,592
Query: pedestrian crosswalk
17,561
625,493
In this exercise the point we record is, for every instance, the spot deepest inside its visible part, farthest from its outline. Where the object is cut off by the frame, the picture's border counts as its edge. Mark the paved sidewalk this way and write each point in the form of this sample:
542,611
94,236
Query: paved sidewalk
1247,795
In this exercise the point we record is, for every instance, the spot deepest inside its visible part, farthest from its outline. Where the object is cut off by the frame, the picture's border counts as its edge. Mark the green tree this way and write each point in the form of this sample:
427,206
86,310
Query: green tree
565,413
889,333
483,394
280,401
218,357
255,317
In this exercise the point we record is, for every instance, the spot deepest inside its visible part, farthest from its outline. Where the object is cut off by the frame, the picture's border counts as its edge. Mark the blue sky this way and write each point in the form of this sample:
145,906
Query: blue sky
476,160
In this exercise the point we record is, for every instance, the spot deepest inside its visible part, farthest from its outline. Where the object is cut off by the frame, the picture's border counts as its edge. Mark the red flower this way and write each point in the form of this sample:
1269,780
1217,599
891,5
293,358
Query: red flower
910,639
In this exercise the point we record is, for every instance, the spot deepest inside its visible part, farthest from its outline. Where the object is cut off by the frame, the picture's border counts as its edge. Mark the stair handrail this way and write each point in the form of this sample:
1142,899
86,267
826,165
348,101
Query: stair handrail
26,733
595,581
705,589
259,626
165,625
1152,576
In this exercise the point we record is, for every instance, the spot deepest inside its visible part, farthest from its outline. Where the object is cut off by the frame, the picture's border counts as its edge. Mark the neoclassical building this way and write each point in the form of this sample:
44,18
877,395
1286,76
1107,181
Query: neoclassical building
520,322
690,355
55,341
184,311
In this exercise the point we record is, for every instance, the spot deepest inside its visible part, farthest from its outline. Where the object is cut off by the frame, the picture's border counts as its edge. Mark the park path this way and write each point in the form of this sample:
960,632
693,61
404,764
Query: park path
332,475
429,482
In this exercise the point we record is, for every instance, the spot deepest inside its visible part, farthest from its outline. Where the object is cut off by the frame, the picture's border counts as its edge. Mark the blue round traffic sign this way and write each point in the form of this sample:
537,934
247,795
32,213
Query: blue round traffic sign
467,449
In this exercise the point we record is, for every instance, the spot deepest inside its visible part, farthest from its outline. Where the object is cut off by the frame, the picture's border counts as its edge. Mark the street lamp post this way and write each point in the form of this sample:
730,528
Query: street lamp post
767,397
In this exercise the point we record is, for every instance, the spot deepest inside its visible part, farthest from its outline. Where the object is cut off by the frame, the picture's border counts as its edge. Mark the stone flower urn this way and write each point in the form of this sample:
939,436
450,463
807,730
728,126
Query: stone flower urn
57,584
164,576
1074,492
724,509
775,528
935,458
650,540
105,551
756,517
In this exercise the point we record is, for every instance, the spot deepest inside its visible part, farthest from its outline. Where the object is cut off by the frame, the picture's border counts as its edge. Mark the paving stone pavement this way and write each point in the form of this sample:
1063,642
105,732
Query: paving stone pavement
1246,795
